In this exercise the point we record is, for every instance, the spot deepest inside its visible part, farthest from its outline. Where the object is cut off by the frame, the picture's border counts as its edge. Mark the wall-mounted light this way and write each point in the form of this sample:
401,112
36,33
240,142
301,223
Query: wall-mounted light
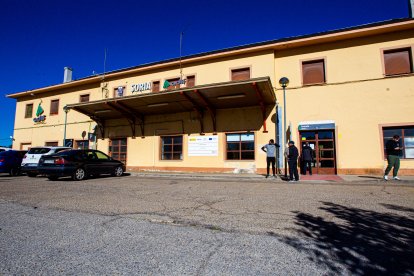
103,111
231,97
158,104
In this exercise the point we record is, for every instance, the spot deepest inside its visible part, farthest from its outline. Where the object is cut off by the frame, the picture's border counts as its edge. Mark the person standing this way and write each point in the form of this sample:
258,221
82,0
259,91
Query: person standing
270,150
393,151
307,158
292,156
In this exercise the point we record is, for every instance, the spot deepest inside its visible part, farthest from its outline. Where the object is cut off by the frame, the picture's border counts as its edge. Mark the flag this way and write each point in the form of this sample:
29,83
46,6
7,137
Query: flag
39,110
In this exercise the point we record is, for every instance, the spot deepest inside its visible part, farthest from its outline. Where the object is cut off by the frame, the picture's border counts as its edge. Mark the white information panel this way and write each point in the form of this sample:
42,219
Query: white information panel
203,145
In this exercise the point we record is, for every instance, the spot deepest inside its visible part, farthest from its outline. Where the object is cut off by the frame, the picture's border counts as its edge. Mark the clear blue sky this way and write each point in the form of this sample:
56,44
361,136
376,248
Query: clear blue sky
38,38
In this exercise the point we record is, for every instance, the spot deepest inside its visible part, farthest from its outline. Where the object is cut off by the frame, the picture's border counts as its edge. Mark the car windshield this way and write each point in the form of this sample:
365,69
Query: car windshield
38,150
5,153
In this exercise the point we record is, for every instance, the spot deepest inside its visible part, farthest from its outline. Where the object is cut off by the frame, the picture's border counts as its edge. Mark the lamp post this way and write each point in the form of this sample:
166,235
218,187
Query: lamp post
284,82
66,109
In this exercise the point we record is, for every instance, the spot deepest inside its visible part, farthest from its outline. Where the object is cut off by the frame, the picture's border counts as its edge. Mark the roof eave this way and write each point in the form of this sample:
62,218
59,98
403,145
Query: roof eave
271,45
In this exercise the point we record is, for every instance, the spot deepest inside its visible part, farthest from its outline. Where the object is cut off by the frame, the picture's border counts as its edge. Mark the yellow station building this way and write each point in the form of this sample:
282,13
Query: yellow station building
349,91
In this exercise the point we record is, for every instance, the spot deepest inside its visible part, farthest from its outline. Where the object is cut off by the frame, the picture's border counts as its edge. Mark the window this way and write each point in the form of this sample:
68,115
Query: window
313,72
52,144
398,61
118,149
119,91
54,107
240,146
84,98
25,146
82,144
172,148
28,113
190,81
101,155
240,74
406,134
155,86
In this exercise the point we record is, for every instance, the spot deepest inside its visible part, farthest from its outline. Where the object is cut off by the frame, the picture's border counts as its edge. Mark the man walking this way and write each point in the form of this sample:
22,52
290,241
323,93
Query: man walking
307,158
292,156
270,150
393,151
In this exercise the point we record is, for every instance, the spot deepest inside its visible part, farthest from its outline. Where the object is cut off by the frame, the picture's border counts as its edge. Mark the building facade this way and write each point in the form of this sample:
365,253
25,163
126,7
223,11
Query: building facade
350,90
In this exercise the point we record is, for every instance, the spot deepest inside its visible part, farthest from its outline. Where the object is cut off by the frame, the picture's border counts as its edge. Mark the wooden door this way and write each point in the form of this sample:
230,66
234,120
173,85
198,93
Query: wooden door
323,144
118,149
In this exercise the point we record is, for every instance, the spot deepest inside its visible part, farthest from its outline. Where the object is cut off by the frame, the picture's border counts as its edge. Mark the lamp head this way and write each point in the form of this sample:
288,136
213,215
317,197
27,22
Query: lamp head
284,82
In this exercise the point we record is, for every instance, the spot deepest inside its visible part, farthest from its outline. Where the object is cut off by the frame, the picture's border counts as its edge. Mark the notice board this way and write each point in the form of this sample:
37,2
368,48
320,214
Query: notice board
203,145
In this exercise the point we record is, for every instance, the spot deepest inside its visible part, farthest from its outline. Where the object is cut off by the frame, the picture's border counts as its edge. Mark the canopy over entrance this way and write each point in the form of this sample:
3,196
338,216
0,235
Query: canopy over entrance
201,99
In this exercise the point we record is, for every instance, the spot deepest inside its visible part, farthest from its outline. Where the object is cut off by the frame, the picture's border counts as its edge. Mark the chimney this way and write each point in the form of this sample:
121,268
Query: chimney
67,75
411,8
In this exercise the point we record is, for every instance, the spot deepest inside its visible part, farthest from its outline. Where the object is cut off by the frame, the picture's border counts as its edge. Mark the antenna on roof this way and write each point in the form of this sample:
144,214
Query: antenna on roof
104,69
181,47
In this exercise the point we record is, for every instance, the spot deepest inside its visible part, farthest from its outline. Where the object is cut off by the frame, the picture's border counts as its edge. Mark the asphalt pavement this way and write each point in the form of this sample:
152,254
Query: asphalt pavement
176,225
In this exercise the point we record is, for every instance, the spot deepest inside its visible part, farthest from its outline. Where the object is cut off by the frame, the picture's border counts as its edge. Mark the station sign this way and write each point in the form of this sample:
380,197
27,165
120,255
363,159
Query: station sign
40,118
141,87
173,83
146,86
316,125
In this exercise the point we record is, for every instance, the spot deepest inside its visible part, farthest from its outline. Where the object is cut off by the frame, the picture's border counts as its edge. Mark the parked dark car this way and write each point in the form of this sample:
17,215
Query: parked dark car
10,161
79,164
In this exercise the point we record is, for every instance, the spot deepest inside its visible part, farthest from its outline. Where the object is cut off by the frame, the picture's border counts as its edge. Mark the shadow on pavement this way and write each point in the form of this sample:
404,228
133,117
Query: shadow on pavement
370,177
365,242
68,178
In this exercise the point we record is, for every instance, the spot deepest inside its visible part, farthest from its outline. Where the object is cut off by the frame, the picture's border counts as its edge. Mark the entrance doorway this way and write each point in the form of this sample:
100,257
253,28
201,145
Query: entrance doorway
323,144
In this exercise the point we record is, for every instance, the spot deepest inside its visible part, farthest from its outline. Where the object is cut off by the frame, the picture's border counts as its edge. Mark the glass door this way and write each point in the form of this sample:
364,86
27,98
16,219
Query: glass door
323,144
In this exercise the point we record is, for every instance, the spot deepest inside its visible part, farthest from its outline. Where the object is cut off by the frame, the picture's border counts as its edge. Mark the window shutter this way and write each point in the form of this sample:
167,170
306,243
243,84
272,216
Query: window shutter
190,81
313,72
397,62
84,98
172,87
29,111
54,107
240,74
155,86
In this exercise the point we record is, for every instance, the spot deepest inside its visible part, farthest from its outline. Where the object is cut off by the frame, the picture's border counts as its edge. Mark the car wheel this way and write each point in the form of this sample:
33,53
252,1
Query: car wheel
79,174
14,172
118,171
31,174
52,177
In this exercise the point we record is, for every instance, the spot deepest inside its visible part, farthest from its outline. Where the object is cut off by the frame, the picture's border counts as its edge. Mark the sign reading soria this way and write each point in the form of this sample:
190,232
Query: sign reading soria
141,87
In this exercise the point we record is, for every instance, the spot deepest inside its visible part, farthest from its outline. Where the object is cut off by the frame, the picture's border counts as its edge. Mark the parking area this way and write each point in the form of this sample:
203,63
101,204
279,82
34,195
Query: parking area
320,227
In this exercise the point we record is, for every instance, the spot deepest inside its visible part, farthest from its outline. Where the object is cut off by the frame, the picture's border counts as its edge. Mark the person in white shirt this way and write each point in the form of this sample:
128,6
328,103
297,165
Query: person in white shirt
270,150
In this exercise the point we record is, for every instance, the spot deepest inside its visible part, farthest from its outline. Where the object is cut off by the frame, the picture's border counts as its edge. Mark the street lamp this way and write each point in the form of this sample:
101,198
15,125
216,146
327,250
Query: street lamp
284,82
66,109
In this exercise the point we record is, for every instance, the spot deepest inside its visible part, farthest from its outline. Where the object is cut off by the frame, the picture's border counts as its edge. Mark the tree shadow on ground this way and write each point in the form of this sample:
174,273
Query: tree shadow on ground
363,242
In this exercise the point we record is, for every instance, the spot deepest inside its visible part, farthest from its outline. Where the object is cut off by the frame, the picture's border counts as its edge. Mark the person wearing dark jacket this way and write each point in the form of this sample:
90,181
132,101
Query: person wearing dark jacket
393,150
307,158
292,157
